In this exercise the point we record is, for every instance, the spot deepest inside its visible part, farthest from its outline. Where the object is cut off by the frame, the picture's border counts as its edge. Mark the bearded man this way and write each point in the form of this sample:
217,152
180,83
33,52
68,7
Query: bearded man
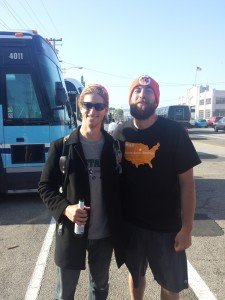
158,193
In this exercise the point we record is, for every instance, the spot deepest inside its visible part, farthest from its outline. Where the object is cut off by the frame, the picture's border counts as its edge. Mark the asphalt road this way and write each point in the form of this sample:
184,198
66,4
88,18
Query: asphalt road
24,222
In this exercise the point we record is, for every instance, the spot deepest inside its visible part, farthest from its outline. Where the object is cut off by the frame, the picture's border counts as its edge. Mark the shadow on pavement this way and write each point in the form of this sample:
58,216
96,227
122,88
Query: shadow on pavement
203,155
29,209
210,207
23,209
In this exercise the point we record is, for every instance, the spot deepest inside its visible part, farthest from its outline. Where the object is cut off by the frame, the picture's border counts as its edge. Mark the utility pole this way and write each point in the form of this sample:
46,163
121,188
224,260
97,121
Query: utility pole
53,42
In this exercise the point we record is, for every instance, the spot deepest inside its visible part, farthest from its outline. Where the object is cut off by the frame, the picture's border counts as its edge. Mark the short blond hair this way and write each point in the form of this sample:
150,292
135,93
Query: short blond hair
95,89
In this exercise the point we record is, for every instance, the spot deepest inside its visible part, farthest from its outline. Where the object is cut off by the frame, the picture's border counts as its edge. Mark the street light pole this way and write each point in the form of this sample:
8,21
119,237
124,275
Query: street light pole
195,76
196,71
75,67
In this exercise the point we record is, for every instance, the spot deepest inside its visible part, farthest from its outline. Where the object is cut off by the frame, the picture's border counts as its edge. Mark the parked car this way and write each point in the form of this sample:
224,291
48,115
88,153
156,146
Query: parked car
211,122
191,123
220,125
201,123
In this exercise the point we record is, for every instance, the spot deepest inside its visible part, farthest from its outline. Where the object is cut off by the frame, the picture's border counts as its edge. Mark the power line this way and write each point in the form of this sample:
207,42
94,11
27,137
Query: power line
109,74
27,12
97,71
162,84
4,24
53,24
13,13
188,84
169,84
34,14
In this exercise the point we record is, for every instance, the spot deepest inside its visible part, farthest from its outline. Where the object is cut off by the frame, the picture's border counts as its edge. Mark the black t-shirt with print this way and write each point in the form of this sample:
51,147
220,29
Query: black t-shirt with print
153,158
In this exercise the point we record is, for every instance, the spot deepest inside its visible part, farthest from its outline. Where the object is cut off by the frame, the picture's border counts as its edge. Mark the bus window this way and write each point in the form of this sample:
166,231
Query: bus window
51,76
178,113
21,97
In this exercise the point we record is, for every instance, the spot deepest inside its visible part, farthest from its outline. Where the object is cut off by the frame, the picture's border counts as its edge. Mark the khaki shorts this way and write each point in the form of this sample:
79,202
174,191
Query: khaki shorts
168,267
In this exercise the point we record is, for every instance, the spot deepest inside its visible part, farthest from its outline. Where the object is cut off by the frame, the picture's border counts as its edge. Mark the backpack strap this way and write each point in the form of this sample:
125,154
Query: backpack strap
63,158
64,163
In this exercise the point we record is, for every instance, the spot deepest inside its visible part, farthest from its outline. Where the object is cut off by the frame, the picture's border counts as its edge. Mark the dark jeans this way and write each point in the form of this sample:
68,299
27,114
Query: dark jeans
99,258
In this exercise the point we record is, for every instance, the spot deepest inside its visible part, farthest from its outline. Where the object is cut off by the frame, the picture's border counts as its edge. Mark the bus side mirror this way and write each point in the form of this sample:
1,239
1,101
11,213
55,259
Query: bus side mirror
60,94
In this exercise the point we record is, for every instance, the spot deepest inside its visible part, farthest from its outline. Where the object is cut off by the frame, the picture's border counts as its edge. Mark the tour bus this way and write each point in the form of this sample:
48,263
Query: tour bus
34,108
179,113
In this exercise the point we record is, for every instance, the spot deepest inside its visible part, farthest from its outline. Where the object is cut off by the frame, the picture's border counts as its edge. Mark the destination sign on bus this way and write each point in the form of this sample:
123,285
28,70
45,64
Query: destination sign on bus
17,56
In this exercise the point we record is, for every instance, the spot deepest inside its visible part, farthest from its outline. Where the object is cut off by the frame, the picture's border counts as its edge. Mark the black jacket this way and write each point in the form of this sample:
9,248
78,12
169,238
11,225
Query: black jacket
70,250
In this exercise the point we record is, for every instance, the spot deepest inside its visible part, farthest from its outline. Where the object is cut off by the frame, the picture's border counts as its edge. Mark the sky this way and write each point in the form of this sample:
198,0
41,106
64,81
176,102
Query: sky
116,41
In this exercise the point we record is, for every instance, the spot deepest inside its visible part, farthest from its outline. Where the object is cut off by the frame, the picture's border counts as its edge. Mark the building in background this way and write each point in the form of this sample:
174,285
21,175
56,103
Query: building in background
204,102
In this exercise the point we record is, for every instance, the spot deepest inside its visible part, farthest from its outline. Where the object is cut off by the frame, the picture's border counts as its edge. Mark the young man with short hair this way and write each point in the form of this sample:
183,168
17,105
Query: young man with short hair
92,175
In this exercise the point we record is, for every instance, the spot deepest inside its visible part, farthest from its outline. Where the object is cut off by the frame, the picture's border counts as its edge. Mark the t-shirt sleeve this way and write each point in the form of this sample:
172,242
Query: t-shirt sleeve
185,155
118,134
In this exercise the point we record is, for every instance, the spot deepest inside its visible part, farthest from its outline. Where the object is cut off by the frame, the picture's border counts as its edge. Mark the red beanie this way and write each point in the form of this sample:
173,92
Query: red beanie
145,80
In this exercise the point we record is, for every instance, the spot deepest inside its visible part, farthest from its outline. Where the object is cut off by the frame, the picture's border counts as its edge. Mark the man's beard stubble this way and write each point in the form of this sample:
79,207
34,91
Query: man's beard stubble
140,114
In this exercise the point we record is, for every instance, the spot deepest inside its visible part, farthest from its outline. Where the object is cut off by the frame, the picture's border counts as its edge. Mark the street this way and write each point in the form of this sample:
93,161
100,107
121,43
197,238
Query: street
25,222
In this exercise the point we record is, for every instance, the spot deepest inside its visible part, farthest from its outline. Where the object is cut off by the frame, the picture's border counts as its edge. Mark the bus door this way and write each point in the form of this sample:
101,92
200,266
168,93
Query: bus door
2,156
1,130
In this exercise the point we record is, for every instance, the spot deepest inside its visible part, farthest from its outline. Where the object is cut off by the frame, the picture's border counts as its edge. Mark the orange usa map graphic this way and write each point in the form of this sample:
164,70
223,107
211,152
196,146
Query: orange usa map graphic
140,154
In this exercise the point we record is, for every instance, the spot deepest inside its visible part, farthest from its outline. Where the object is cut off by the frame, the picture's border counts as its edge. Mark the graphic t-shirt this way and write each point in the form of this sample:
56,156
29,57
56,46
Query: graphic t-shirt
98,224
153,159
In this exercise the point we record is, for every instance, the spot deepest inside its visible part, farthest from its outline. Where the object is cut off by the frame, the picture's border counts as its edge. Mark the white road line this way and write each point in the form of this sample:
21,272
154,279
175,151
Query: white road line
36,279
220,137
198,285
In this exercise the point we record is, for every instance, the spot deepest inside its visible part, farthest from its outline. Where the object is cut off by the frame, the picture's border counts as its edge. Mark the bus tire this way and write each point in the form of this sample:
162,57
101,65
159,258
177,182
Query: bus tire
3,184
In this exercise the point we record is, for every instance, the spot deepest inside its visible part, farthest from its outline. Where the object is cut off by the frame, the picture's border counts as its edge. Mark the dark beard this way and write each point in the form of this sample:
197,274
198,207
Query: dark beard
142,114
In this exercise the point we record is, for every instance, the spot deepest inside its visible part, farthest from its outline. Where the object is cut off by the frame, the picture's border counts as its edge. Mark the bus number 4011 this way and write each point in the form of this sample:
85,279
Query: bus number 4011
16,55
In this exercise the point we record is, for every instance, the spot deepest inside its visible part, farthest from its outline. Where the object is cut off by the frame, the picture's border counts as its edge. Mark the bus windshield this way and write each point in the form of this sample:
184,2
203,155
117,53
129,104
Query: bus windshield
21,97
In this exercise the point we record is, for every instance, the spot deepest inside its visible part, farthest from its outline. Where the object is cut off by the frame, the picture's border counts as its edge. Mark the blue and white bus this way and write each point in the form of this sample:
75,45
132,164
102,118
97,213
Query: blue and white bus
34,108
178,113
74,89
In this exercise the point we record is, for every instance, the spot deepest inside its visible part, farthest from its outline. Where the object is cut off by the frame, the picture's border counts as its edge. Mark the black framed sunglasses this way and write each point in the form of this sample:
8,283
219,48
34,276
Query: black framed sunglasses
96,106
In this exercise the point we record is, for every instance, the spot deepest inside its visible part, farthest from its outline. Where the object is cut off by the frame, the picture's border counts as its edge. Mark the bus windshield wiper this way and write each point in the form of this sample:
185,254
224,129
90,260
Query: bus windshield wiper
28,121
